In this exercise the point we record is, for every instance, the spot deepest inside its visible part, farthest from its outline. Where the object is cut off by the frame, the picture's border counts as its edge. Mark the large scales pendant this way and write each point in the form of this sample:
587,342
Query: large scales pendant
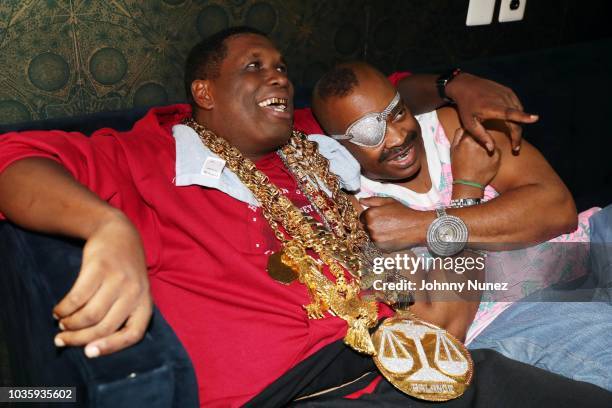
421,359
279,271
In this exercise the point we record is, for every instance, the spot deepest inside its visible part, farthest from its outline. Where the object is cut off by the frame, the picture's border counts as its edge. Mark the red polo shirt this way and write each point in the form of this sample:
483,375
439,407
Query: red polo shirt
206,253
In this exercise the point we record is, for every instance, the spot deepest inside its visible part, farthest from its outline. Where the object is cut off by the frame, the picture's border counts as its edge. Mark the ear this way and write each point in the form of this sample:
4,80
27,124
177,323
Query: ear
202,95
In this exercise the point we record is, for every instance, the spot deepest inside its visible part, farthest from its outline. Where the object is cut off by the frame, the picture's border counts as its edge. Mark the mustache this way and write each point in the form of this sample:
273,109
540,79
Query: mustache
412,135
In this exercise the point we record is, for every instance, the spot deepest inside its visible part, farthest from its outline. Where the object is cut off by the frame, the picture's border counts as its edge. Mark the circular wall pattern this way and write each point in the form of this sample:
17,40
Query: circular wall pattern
384,63
149,94
261,16
211,19
48,71
347,39
385,34
313,73
407,59
417,56
14,112
108,66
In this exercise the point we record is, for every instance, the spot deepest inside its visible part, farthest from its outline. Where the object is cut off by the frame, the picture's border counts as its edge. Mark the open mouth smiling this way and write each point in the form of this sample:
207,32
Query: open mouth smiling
276,104
402,152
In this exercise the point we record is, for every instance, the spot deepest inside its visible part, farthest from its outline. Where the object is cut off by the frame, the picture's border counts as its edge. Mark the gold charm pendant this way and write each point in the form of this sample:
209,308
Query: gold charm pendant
421,359
279,271
418,358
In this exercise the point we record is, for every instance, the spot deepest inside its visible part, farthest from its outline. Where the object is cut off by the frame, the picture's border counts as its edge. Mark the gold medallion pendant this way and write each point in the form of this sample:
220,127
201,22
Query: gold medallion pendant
421,359
418,358
279,271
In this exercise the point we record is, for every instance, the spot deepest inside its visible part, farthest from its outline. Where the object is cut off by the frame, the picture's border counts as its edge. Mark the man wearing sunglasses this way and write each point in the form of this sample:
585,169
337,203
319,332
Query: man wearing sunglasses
425,182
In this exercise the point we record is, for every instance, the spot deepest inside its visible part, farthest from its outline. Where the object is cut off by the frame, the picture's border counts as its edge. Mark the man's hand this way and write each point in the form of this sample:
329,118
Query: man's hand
479,99
393,226
471,162
109,306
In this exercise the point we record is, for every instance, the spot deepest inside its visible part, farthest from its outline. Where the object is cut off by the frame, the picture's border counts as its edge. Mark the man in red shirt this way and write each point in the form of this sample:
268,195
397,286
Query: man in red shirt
157,203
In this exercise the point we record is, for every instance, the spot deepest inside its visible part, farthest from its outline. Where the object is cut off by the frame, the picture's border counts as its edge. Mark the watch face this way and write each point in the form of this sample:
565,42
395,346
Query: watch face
447,235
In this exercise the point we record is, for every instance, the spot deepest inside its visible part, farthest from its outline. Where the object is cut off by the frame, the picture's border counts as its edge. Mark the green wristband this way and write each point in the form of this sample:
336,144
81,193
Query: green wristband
469,183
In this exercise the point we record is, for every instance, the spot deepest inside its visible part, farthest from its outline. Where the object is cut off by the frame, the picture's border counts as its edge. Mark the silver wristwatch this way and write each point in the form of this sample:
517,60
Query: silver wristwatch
447,235
464,202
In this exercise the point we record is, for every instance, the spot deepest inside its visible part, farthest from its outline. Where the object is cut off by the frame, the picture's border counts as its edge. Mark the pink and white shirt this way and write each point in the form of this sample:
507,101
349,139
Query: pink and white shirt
525,270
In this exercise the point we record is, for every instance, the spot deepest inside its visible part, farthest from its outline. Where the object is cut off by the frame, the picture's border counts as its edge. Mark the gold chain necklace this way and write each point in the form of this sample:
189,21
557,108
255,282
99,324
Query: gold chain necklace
340,298
402,346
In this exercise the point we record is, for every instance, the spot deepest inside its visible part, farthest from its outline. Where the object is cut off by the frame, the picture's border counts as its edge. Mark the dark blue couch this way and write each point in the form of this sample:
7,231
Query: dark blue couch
36,272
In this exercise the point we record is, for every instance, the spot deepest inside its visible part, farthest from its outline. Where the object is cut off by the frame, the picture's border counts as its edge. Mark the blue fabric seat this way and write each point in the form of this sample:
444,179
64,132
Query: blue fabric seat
35,273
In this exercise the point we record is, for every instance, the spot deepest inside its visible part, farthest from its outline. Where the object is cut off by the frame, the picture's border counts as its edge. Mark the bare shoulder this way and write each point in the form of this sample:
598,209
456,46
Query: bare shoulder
449,119
526,167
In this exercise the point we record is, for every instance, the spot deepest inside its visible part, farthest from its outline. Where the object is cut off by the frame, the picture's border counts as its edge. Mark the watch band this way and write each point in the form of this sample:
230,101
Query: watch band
464,202
443,80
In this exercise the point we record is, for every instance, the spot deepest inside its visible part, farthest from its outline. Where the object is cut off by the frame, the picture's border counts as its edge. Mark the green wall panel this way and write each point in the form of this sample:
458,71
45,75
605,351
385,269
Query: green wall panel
69,57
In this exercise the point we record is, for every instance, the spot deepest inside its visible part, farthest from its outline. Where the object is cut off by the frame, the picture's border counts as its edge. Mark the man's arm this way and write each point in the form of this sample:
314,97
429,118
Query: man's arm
454,312
477,100
109,306
533,206
419,93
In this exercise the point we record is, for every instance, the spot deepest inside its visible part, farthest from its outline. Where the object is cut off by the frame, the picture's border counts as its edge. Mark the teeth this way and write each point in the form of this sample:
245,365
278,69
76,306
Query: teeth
280,102
404,155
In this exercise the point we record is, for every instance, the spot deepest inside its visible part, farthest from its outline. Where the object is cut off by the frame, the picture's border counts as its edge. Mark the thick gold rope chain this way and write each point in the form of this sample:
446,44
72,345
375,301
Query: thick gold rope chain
338,248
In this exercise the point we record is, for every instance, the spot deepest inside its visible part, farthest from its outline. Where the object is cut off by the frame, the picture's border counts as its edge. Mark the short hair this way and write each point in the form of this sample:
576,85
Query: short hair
205,58
337,82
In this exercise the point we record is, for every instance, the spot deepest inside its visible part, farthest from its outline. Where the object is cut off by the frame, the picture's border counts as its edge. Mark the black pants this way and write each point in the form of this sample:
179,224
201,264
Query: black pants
498,382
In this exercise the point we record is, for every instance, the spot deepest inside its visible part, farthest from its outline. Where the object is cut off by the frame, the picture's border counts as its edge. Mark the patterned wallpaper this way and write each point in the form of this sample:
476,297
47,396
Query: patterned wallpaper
69,57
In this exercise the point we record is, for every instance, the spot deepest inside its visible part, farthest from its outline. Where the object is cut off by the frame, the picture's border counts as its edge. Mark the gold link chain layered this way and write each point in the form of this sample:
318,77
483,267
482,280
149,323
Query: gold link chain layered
339,248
